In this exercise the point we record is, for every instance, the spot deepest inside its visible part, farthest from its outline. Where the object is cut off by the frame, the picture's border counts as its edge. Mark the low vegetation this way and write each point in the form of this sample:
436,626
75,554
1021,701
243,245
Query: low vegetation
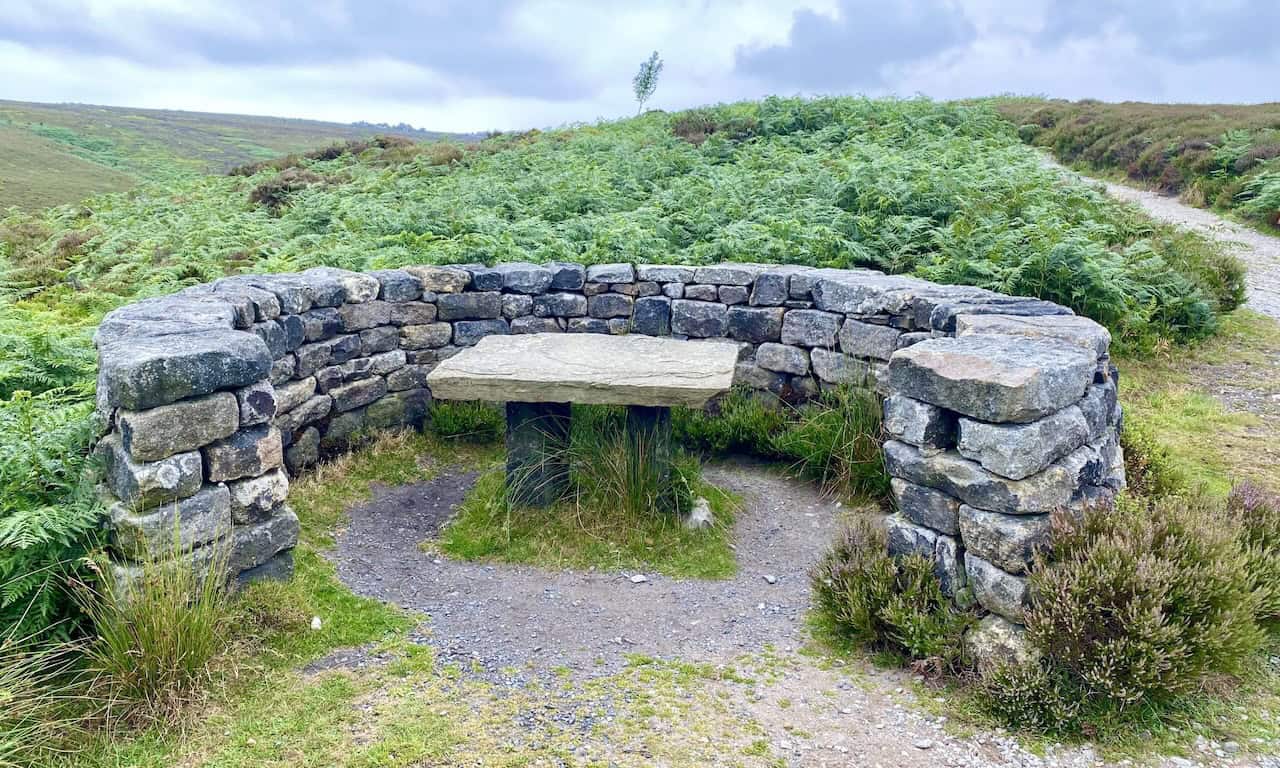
1213,155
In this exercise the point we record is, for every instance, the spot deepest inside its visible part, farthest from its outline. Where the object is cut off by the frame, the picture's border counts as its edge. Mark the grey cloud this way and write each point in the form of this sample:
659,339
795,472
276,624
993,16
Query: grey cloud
467,43
825,54
1189,31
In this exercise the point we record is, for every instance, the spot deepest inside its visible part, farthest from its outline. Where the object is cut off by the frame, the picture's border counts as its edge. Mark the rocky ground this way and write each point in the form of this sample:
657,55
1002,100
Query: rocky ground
569,649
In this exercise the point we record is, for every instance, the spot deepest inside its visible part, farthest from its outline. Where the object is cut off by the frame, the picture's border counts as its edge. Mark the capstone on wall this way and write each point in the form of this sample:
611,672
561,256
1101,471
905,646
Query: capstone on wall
998,409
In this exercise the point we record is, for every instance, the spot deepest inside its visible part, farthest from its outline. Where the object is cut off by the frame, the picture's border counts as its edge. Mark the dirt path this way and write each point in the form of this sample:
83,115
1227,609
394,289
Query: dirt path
1261,253
558,647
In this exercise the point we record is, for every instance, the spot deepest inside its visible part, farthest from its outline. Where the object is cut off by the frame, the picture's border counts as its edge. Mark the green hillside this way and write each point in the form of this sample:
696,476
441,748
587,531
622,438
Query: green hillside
52,154
944,191
1223,156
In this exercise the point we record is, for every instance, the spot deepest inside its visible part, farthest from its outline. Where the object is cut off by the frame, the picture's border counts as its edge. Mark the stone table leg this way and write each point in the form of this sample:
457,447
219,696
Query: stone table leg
537,453
649,440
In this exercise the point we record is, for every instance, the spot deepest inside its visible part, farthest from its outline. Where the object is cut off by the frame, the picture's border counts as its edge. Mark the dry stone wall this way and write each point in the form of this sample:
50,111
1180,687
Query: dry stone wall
998,409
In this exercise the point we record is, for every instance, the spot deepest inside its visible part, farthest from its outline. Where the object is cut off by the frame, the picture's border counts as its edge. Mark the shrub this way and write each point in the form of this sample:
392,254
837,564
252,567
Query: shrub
157,635
1260,198
1144,602
1034,696
274,193
885,603
1258,514
1148,468
837,439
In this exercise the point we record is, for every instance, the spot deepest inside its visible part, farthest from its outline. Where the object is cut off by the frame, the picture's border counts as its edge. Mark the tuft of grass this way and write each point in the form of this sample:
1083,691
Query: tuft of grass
41,700
470,420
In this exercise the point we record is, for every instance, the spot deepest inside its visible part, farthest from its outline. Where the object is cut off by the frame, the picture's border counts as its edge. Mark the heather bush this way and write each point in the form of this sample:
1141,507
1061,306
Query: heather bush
888,604
1258,514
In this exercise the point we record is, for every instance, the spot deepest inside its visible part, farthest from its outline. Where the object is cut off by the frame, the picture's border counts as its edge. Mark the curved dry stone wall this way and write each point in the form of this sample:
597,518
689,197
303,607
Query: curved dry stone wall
998,409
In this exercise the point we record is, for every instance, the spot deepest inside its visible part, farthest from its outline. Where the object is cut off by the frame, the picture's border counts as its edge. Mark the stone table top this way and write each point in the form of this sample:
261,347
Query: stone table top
587,368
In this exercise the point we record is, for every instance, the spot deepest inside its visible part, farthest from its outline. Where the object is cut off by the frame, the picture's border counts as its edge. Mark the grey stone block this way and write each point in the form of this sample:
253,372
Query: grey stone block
358,394
611,273
587,325
278,568
352,287
673,290
608,305
699,319
254,545
926,506
253,499
906,538
999,592
304,451
396,285
357,317
869,340
966,480
141,373
652,316
522,277
664,273
993,378
755,324
560,305
310,411
343,430
469,306
1073,329
770,289
173,527
837,368
143,484
320,324
928,427
484,278
783,358
727,274
247,453
406,408
567,276
701,292
810,328
283,370
732,294
273,335
535,325
158,433
1016,451
429,336
413,313
516,305
1010,542
294,393
257,403
467,332
440,279
408,377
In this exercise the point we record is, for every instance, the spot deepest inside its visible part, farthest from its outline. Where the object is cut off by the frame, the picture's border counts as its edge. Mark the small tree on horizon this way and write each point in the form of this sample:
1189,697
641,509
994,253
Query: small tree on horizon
646,80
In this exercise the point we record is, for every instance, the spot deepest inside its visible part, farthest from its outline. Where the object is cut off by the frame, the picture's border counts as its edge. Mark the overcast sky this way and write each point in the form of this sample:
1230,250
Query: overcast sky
485,64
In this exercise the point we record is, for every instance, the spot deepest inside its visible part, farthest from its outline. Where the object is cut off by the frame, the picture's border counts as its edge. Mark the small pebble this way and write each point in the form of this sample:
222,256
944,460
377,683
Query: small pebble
770,578
639,578
922,744
315,623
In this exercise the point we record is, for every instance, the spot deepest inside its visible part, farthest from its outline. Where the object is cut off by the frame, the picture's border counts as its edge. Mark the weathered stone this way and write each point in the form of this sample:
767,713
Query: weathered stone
770,289
926,506
469,306
440,279
611,273
587,325
273,335
304,451
780,357
732,294
335,351
1010,542
247,453
161,432
535,325
522,277
278,568
727,274
1016,451
143,484
608,305
253,499
309,411
810,328
173,527
356,288
320,324
664,273
516,305
756,378
343,430
357,317
701,292
468,332
408,377
620,370
560,305
699,319
265,304
566,276
996,642
384,363
755,324
869,340
384,338
294,393
993,378
143,373
396,285
484,278
413,313
969,482
914,337
283,370
257,403
907,538
427,336
673,290
254,545
358,393
294,294
1073,329
652,316
999,592
1099,408
838,368
626,289
294,330
647,288
167,316
928,427
407,408
595,289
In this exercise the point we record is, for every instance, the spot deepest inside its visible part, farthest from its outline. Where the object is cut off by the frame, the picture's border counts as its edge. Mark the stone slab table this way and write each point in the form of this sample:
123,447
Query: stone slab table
538,376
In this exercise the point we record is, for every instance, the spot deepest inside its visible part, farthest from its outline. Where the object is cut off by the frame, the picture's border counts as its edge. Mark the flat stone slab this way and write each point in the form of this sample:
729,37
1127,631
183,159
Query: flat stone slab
587,368
994,378
1073,329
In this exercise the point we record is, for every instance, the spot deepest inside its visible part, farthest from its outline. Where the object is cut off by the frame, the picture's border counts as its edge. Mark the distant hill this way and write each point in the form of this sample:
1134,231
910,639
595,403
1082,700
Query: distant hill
62,153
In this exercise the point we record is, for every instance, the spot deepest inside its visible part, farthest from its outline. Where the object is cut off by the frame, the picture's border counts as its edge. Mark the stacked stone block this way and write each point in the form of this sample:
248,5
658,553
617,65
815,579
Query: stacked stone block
999,408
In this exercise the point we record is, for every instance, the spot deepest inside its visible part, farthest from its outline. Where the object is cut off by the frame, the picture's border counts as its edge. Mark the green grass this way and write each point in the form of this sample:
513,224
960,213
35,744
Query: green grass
37,173
577,535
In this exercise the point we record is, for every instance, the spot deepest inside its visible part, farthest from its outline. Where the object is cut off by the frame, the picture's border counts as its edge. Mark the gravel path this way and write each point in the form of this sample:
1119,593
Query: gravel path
1261,253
